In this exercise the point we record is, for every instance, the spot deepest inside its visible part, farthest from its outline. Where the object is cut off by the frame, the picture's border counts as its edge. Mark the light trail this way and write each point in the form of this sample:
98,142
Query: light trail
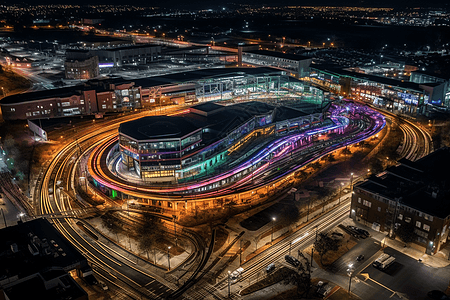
277,149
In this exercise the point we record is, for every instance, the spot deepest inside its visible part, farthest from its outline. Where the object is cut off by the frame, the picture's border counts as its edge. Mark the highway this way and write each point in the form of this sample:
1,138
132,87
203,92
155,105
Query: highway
416,142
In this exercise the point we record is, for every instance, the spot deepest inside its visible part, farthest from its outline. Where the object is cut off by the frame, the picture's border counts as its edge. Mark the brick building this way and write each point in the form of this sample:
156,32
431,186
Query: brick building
409,194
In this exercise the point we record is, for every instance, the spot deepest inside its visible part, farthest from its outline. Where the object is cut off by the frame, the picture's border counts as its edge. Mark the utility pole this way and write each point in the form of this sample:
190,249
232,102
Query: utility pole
4,219
229,284
175,227
240,252
168,256
273,222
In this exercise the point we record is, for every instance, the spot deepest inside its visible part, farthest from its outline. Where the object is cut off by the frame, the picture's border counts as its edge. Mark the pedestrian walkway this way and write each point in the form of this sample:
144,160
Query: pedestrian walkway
439,260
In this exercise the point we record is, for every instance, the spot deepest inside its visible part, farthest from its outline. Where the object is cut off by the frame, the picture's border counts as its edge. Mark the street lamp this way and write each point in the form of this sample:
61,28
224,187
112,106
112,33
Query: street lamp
350,274
229,284
168,256
312,251
351,182
175,227
273,222
340,191
21,215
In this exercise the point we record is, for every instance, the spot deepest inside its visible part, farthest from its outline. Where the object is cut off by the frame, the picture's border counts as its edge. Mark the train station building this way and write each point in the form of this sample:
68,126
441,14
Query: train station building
173,148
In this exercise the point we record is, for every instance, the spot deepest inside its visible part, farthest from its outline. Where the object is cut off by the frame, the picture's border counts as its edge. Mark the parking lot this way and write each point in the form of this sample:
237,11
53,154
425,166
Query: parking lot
409,276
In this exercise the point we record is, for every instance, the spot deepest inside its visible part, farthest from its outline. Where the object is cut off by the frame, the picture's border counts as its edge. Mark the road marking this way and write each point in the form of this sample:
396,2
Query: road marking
366,276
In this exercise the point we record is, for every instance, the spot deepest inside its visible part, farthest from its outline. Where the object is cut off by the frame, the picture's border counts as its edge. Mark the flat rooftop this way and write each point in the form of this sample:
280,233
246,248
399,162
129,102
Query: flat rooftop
100,84
423,185
219,120
19,260
158,127
278,54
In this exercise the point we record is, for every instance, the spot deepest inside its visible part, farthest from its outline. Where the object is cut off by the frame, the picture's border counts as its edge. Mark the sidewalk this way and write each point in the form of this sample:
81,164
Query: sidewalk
439,260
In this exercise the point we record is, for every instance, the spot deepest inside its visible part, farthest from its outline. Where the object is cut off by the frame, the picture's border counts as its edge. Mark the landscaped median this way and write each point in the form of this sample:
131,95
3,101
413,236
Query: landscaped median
270,279
344,242
335,292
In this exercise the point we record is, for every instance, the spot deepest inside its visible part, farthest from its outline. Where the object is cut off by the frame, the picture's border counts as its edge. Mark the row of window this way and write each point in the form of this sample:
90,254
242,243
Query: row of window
402,207
426,227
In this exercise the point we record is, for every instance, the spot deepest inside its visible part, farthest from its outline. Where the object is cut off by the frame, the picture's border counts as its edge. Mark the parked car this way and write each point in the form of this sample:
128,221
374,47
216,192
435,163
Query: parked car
355,231
438,295
234,276
362,231
323,288
292,260
270,268
360,257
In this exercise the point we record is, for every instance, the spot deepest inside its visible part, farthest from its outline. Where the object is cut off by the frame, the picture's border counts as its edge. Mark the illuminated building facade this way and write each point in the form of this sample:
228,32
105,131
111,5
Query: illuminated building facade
117,95
162,148
395,95
296,65
81,69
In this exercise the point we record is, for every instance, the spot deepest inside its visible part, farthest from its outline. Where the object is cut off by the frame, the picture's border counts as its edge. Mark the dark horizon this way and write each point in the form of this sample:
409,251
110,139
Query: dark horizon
202,4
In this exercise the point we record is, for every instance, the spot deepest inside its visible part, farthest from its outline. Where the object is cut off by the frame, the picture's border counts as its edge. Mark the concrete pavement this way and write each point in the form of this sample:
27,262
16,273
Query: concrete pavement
439,260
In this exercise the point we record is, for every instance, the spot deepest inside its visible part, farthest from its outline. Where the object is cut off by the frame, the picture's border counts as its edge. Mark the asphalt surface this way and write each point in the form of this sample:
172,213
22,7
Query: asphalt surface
410,277
406,278
367,247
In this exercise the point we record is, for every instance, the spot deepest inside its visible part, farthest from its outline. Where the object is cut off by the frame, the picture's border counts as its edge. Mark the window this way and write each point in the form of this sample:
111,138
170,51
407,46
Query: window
428,217
426,227
418,224
367,203
104,106
400,217
359,199
379,208
13,109
407,219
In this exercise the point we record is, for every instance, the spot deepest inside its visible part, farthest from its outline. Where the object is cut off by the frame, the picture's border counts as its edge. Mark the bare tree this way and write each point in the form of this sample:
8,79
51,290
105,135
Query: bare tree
325,243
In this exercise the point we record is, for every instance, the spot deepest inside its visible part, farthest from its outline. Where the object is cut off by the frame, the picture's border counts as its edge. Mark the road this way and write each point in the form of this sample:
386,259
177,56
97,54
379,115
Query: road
417,141
109,261
272,163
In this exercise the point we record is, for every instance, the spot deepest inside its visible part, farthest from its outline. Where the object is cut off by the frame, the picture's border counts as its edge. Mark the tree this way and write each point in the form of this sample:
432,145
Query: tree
146,244
113,223
406,232
330,158
325,243
149,235
315,165
376,166
346,151
362,144
302,277
256,240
